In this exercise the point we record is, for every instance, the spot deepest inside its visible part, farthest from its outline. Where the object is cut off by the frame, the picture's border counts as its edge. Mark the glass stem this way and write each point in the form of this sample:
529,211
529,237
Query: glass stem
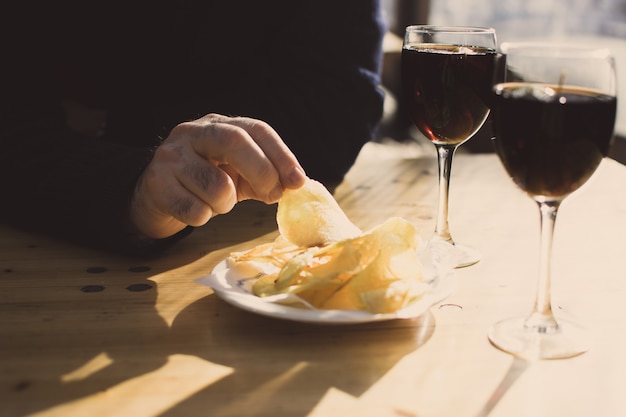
445,154
542,319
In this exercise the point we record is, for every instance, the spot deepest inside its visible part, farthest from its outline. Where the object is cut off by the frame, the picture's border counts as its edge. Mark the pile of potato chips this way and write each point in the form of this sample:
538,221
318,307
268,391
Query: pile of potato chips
328,262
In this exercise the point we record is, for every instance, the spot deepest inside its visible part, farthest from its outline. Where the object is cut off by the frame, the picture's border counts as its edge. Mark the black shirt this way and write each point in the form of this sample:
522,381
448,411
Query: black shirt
309,69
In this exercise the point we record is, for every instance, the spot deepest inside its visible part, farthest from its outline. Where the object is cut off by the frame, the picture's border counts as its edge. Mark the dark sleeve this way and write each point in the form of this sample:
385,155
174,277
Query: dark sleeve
317,81
57,181
75,187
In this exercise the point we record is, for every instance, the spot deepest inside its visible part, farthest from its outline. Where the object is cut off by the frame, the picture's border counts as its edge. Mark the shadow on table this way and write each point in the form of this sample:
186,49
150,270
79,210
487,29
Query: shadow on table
517,368
315,358
272,361
88,346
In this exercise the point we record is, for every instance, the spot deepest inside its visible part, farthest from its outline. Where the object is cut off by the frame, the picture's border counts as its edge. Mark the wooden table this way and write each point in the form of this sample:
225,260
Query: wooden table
86,333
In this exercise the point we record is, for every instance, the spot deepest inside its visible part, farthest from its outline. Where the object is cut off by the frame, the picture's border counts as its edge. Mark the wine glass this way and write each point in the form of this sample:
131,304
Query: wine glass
553,117
447,75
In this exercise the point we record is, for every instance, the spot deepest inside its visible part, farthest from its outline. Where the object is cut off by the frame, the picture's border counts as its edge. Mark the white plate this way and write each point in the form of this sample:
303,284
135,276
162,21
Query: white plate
234,287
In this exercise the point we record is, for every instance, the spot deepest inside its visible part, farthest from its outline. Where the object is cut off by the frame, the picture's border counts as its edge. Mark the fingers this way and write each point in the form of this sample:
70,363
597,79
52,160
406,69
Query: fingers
209,184
205,166
177,189
188,182
290,172
263,163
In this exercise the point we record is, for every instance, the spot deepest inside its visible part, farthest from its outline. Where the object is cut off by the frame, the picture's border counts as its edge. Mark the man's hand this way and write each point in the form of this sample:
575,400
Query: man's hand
205,167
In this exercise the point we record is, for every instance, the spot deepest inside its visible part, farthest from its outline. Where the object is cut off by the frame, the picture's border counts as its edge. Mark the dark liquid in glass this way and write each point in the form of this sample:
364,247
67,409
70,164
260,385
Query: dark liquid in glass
447,88
551,138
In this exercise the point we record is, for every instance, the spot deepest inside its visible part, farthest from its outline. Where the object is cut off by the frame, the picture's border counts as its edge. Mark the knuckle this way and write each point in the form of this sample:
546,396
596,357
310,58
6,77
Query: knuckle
202,177
222,135
214,117
215,133
215,187
190,211
182,208
259,129
169,151
181,129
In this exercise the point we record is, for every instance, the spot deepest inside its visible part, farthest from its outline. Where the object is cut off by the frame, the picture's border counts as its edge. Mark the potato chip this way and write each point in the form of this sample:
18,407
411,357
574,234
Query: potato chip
377,272
310,216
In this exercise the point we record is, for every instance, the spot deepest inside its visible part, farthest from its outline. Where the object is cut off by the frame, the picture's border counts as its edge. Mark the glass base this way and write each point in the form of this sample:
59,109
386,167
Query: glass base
465,255
456,255
513,336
